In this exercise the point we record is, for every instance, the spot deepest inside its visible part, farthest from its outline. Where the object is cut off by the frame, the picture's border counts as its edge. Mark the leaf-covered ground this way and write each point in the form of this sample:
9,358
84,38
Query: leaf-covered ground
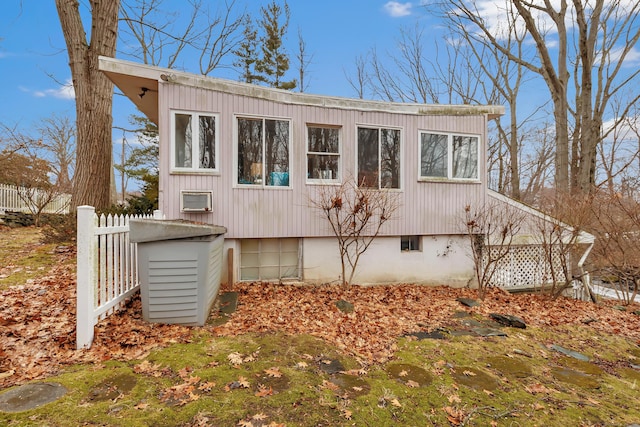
37,319
264,340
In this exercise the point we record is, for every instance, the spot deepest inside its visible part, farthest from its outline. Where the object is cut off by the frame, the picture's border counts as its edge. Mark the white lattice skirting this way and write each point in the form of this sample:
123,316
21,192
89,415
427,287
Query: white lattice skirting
526,267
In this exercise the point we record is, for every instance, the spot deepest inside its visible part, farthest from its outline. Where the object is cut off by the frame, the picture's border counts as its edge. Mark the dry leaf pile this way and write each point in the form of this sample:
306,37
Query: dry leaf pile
383,313
37,320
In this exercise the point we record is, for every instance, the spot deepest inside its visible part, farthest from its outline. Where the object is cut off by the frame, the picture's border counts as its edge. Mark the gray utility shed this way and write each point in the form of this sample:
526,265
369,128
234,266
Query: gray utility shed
179,267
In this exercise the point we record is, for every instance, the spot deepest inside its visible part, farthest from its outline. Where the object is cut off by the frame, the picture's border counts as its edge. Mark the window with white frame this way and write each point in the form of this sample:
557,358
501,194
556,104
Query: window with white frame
194,141
323,153
378,157
449,156
263,151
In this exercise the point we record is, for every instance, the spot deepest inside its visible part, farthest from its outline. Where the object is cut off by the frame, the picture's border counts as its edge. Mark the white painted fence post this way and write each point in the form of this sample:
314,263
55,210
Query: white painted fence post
85,277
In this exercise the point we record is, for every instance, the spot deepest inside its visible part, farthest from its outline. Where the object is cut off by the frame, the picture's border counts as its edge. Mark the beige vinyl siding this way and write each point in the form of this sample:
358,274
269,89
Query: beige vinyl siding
427,207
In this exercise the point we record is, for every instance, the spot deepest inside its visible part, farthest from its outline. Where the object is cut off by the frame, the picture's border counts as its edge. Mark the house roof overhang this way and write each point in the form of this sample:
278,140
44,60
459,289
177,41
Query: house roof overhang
140,82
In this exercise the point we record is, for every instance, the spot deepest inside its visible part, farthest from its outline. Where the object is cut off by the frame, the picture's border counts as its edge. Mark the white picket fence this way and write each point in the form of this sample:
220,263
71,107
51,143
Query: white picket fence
106,269
11,200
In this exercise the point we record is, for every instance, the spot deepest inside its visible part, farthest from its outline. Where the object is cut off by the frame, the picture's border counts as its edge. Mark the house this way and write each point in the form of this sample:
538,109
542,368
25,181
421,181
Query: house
249,158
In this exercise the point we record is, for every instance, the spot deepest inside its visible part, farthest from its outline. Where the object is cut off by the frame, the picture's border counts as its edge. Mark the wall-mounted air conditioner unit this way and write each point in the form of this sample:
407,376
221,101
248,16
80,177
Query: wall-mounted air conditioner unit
196,201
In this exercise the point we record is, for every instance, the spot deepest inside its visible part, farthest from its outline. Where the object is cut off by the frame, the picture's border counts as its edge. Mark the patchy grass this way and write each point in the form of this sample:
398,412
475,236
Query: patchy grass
23,257
289,357
277,379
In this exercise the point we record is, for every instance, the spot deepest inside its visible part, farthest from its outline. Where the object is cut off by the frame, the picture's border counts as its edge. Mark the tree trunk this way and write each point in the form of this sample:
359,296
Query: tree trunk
94,96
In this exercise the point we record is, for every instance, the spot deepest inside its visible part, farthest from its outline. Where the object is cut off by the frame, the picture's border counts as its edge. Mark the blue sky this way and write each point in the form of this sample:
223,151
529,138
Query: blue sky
36,76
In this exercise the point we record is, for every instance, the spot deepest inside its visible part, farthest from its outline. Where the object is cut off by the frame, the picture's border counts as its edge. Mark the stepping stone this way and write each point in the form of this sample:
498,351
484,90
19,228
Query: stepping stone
30,396
474,378
330,366
509,366
112,388
460,315
468,302
422,335
508,320
228,302
472,323
568,352
489,332
410,375
351,386
576,378
344,306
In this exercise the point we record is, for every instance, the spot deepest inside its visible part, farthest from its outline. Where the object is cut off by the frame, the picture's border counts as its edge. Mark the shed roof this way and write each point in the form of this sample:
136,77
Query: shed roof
139,82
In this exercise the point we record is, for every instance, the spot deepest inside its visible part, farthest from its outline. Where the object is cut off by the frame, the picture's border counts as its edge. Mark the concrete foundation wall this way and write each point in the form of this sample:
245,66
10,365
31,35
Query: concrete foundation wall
441,260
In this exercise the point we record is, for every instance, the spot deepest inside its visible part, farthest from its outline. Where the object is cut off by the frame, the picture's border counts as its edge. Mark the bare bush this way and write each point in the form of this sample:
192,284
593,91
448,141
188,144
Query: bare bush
492,229
356,215
616,254
561,233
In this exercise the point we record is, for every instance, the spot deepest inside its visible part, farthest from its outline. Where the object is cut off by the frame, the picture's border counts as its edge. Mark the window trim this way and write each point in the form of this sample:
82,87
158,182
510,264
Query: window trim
335,179
410,238
449,177
262,185
379,128
195,149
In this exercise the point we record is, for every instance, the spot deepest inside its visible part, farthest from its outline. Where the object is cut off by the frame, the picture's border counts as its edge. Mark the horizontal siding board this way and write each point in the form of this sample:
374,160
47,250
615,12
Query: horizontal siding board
426,207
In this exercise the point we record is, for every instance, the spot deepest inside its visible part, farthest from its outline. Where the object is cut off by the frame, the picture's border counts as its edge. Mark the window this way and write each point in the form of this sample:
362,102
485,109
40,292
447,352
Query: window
263,152
378,157
195,141
409,243
448,156
323,153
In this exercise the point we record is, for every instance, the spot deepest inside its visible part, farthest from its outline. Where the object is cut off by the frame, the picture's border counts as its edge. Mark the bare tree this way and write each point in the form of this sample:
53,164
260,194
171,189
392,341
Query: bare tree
58,142
29,173
616,254
158,37
356,215
492,229
592,51
360,81
561,242
53,145
94,95
304,59
619,152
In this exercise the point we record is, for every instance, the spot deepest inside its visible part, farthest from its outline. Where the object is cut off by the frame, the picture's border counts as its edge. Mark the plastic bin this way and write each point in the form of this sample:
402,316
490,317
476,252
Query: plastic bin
179,268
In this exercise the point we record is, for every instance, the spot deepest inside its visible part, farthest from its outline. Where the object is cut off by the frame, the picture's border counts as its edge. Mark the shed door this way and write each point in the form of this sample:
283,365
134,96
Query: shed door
269,259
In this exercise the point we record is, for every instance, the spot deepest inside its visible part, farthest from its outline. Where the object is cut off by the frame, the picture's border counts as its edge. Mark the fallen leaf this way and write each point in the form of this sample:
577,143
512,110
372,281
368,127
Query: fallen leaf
243,382
206,386
539,388
403,373
263,391
412,384
273,372
235,358
396,402
455,416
